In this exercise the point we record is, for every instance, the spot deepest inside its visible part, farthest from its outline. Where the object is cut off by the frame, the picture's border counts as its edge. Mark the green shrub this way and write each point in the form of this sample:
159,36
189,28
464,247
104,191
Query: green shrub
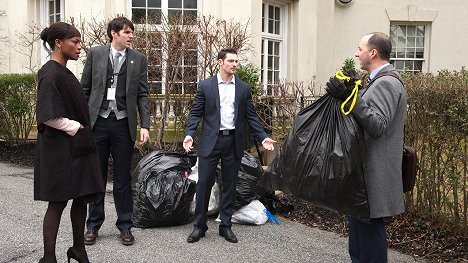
437,126
250,75
17,106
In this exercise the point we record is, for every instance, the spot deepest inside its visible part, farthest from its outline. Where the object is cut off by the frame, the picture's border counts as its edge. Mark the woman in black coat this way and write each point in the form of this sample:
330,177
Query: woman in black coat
67,165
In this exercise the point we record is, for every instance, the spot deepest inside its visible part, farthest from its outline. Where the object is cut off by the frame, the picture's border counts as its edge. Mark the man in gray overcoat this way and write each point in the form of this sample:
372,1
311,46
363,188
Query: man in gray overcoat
380,110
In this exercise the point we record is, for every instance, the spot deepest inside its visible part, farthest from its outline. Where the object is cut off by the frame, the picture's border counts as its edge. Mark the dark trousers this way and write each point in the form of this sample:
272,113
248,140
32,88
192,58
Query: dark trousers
367,242
225,151
113,137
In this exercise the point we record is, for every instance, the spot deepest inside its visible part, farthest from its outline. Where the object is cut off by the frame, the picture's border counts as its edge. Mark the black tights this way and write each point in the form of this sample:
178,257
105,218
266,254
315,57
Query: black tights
51,226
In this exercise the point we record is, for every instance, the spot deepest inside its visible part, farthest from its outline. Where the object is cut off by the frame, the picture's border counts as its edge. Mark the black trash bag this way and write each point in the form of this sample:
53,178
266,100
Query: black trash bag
247,188
162,194
320,160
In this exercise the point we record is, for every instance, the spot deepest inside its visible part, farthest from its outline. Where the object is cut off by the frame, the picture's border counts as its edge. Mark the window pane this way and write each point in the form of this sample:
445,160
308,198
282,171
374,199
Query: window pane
277,13
399,65
270,12
277,27
411,52
270,48
154,3
393,29
57,6
191,58
175,3
401,41
419,52
51,8
190,4
418,65
270,62
411,42
276,63
276,48
420,42
138,3
154,15
138,16
420,31
175,16
270,26
155,87
411,31
276,76
190,17
57,17
408,65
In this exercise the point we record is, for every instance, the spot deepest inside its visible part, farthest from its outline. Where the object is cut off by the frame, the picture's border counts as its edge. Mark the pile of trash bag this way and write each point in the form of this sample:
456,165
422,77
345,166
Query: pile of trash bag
248,190
162,192
320,160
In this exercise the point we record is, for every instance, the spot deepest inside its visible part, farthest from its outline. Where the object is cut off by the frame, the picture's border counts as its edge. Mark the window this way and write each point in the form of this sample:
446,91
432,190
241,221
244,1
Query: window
50,11
408,47
273,27
177,11
169,65
54,11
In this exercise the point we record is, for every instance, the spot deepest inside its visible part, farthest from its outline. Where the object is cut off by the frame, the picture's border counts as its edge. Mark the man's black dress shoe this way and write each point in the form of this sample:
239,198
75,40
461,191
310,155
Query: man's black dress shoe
228,235
195,235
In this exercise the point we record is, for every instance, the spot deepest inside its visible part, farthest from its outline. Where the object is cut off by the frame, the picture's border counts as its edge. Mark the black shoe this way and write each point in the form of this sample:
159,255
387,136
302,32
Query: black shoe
195,235
90,237
71,254
126,238
228,235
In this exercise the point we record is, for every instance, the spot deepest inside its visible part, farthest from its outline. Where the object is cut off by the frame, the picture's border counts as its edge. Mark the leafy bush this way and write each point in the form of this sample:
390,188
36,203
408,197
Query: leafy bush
437,126
251,75
17,106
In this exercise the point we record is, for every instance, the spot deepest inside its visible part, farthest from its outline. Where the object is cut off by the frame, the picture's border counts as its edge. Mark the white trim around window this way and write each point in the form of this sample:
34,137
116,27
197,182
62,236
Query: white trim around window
276,40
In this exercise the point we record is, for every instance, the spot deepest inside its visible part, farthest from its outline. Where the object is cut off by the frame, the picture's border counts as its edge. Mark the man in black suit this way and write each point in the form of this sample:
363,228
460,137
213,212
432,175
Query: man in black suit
115,83
225,104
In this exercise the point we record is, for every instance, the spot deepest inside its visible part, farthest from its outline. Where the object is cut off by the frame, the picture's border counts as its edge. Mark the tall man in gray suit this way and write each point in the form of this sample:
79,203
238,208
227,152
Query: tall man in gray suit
115,83
380,110
224,104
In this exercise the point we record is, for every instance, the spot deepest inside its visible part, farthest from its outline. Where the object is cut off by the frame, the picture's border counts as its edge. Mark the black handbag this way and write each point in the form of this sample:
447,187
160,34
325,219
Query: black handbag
409,168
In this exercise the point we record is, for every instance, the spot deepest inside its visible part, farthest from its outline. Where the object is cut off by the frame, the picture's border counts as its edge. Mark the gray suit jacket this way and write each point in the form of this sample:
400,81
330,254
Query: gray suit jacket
381,111
93,81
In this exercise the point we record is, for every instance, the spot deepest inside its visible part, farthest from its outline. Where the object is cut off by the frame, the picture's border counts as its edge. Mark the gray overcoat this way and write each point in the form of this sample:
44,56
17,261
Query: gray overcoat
381,112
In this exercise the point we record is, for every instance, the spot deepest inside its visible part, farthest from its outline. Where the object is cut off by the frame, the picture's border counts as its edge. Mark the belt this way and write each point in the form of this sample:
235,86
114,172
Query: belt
227,132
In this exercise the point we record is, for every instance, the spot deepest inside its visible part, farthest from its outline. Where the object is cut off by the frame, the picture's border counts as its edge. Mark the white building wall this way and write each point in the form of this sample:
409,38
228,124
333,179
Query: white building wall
321,35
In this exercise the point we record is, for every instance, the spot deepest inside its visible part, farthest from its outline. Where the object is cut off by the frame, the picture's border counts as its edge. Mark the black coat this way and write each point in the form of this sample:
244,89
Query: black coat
67,167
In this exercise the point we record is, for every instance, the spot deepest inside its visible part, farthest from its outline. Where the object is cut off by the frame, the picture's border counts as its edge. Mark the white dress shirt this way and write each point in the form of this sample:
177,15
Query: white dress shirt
227,94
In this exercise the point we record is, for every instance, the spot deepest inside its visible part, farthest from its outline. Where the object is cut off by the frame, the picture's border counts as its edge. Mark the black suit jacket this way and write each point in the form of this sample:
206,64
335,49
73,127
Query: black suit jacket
206,106
93,81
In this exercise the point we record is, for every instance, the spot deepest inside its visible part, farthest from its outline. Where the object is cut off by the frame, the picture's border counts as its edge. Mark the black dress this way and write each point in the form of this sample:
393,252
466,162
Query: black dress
67,167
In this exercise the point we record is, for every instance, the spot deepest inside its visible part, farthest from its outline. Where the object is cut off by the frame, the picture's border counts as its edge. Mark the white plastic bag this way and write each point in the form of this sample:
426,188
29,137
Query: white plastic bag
213,205
252,213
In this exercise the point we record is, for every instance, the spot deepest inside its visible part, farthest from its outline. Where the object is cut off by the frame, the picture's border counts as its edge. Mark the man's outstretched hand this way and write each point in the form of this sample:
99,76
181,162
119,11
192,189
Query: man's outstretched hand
188,141
268,144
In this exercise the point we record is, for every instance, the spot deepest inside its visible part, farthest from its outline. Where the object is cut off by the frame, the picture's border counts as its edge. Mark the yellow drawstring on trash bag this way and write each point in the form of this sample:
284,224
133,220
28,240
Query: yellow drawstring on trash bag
353,95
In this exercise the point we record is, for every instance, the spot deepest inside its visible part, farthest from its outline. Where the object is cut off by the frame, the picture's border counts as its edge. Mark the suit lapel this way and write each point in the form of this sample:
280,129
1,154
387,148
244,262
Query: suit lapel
130,64
237,97
215,91
103,64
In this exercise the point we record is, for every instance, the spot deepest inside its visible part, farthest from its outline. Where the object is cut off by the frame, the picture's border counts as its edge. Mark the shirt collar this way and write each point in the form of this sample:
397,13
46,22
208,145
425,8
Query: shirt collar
375,71
114,51
221,81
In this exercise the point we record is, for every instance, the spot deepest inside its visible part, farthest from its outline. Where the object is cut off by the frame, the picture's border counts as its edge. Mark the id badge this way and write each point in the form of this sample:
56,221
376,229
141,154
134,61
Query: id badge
111,93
